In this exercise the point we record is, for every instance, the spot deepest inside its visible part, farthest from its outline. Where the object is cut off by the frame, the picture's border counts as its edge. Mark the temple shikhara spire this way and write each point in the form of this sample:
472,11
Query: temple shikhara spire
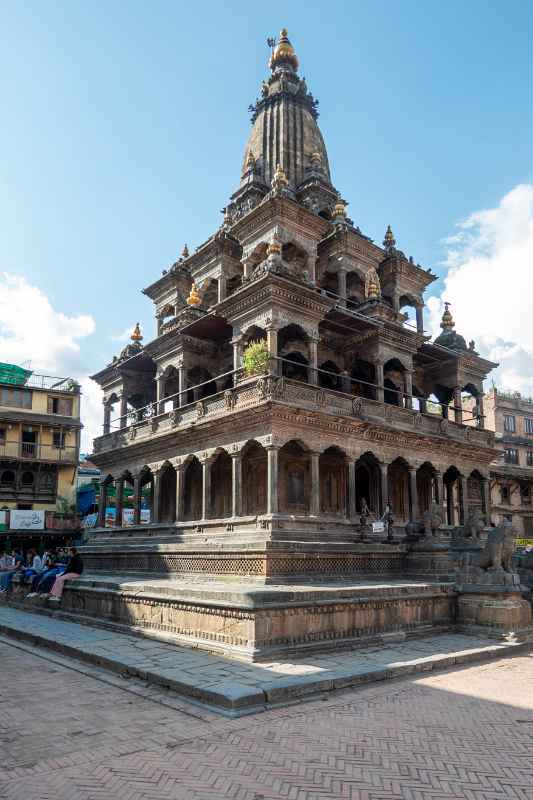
289,418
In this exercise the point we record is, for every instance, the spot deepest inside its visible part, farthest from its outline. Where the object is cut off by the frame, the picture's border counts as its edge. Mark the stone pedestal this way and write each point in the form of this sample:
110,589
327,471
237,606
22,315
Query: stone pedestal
491,603
430,557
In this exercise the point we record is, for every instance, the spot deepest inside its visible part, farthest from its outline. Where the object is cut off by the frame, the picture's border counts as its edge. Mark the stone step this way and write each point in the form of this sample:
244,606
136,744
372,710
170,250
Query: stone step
234,688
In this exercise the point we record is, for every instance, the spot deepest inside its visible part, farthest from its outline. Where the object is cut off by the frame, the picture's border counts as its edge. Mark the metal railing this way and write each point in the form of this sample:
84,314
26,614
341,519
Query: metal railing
276,366
35,451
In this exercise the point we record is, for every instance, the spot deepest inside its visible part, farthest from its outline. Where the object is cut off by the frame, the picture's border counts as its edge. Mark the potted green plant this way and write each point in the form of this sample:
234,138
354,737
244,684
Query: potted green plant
255,358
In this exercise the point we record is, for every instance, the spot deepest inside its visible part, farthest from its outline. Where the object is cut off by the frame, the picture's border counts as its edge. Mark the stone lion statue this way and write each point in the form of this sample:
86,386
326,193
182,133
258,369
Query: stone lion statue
498,551
432,520
474,524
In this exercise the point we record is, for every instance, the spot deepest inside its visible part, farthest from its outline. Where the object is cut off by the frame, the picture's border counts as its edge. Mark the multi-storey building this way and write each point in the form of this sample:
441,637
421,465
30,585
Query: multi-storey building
511,417
39,440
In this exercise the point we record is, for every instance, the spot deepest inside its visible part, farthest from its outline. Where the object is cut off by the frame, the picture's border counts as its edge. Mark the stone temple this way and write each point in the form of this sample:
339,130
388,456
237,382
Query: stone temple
285,407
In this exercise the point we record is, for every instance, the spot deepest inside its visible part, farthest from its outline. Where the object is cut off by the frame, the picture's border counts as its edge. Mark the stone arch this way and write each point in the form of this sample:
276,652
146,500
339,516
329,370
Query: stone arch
209,293
254,478
293,348
192,489
399,494
146,487
27,478
355,288
167,493
200,384
444,396
254,333
221,485
329,375
453,495
171,385
294,257
7,477
333,480
427,487
363,375
393,382
368,483
167,311
294,484
408,301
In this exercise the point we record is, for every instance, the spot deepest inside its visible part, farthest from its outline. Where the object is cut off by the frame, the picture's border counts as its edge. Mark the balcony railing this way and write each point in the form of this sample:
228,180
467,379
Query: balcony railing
33,451
169,414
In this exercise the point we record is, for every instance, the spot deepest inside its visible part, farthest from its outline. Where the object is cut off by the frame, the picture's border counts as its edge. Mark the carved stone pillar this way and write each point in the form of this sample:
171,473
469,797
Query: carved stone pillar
313,358
102,502
352,490
237,352
160,395
413,493
206,487
272,346
314,500
440,489
182,383
341,275
107,417
119,501
137,499
458,408
380,380
222,288
420,318
236,484
396,301
156,496
272,482
463,500
485,498
408,388
480,411
423,405
384,469
345,383
180,491
123,410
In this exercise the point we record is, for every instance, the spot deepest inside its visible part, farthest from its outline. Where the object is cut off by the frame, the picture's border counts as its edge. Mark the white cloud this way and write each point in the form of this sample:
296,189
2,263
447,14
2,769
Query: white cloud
125,336
490,286
34,334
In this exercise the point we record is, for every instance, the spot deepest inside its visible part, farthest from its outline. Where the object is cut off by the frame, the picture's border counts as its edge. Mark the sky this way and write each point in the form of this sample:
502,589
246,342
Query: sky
122,136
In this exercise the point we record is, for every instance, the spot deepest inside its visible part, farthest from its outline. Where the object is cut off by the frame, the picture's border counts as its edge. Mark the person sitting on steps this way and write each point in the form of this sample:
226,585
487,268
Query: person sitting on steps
74,570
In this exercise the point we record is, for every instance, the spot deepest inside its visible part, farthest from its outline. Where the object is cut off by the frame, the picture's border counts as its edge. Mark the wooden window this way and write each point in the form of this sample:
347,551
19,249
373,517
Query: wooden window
60,405
510,455
15,396
58,439
2,435
509,423
529,458
528,425
525,495
504,494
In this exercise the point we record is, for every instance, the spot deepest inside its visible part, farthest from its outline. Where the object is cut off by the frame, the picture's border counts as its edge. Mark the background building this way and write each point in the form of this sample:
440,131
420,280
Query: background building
511,417
39,451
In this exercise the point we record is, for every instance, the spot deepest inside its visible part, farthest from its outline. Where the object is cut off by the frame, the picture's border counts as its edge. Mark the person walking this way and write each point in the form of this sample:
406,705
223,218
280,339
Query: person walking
73,570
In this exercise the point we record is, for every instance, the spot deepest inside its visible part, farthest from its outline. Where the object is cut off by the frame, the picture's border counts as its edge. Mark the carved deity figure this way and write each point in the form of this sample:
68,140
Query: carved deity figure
372,285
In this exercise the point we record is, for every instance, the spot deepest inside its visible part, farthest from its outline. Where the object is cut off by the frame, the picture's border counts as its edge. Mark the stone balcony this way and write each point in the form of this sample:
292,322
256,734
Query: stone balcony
253,392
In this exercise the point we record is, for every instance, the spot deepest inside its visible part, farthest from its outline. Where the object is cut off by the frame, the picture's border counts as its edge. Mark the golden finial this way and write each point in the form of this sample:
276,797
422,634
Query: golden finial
284,52
194,298
280,180
340,209
372,285
389,242
250,160
274,247
447,322
136,336
185,252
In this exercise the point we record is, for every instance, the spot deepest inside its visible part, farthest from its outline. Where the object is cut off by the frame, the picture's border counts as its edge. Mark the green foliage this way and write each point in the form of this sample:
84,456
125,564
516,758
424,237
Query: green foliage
255,357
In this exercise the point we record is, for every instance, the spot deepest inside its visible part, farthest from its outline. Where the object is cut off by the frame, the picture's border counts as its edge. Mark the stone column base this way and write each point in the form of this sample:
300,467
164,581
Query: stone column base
499,614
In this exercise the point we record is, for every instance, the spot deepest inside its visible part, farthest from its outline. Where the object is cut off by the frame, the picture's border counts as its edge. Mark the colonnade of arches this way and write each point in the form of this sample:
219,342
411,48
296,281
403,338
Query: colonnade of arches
291,479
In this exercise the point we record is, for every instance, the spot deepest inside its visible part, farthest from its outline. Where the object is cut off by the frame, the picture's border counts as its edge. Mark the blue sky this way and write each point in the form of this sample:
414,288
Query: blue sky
124,125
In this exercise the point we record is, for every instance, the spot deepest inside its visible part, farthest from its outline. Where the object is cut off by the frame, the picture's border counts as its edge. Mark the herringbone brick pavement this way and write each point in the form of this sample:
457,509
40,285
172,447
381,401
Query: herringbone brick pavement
78,734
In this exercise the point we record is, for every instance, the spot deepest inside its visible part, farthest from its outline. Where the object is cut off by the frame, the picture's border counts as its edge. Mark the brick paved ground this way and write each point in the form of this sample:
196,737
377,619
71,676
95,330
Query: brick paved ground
73,732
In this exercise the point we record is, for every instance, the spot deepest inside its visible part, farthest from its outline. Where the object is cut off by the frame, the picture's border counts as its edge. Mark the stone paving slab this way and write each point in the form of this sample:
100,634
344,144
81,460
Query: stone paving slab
235,687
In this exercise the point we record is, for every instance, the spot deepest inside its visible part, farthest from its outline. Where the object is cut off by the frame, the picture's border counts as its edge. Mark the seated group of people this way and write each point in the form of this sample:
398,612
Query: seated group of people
47,573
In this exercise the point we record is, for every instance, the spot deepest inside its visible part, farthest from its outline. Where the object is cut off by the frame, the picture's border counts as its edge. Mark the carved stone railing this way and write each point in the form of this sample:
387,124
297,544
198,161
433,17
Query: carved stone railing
266,388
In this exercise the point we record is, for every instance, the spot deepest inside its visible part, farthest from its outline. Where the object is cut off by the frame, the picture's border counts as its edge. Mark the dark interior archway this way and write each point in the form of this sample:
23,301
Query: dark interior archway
254,479
294,481
167,494
192,492
221,483
333,471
